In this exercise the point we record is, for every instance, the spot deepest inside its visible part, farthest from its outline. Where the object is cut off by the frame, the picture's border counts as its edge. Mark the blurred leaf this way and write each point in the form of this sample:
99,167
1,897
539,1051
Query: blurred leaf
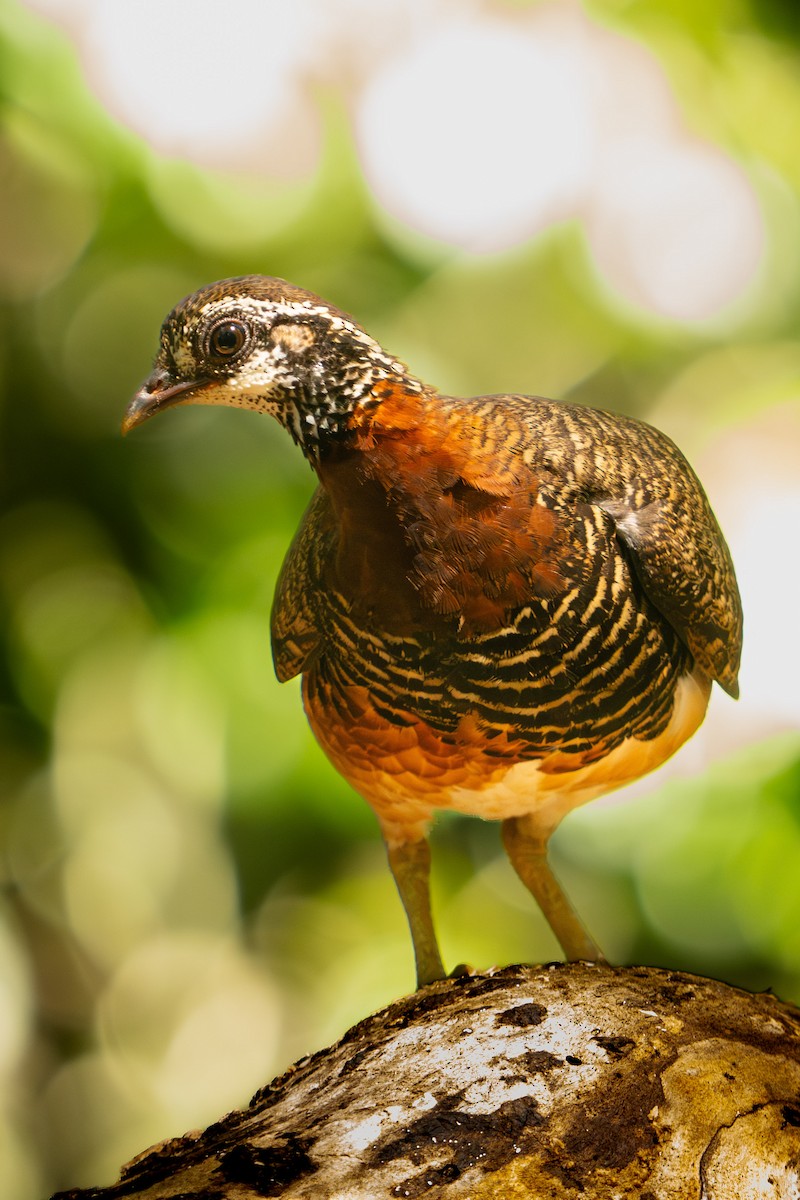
174,846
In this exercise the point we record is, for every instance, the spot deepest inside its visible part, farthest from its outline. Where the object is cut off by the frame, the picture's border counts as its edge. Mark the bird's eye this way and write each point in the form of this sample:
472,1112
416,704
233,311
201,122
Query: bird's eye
227,338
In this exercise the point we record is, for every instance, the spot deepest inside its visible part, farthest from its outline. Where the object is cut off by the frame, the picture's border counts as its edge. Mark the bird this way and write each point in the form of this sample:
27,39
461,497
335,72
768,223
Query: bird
502,605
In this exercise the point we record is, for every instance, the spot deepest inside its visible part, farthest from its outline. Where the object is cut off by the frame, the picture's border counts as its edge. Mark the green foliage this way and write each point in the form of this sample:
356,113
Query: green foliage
185,877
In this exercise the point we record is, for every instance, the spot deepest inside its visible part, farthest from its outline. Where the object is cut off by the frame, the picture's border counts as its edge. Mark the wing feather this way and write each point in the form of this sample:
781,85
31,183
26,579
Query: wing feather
296,639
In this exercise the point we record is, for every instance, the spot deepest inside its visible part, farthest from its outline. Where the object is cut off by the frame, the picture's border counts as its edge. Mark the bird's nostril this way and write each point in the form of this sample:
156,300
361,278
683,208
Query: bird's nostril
156,383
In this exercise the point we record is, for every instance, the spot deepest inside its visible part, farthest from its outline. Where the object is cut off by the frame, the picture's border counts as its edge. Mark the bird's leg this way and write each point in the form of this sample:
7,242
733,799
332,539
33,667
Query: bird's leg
411,866
526,845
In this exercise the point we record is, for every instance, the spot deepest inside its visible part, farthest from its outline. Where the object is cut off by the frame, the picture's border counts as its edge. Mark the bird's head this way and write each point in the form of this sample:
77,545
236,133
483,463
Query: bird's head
261,343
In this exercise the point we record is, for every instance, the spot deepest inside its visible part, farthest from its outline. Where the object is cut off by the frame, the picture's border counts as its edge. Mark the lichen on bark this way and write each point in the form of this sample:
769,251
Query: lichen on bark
567,1080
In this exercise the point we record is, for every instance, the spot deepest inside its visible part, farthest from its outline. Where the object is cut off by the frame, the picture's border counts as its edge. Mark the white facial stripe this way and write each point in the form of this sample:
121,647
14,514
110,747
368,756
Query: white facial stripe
248,390
258,377
263,310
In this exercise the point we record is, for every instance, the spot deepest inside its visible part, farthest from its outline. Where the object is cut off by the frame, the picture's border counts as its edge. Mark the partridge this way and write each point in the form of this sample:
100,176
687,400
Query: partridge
500,605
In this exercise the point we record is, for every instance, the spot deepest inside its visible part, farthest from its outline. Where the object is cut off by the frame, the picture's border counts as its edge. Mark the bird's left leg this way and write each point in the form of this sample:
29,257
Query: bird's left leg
525,839
411,866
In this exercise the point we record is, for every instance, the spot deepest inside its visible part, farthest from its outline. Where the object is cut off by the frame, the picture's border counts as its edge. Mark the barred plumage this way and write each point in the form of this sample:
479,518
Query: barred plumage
503,605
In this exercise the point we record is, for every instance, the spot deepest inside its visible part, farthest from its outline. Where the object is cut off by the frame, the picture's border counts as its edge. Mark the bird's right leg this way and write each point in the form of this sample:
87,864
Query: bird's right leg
411,866
525,839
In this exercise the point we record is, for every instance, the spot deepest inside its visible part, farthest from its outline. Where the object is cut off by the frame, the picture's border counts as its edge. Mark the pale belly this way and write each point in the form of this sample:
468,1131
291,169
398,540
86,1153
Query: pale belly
405,773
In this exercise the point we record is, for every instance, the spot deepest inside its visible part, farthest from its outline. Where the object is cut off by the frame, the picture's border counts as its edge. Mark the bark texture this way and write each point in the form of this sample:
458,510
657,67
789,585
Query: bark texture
562,1081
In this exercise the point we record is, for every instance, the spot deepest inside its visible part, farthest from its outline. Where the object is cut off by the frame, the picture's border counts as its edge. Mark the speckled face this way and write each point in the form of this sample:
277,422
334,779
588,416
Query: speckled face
260,343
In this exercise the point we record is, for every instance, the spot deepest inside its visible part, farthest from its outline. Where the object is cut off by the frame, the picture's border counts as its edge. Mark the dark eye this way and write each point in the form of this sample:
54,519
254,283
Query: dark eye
227,338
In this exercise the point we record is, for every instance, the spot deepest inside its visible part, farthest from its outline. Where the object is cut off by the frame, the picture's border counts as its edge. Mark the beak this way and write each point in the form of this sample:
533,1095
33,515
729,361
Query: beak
157,393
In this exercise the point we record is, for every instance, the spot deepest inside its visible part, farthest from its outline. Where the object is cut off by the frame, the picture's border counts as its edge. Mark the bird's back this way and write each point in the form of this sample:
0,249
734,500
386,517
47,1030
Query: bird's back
510,579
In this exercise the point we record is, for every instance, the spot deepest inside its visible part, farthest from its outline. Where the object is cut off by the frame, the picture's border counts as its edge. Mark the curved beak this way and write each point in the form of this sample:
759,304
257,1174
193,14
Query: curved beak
157,393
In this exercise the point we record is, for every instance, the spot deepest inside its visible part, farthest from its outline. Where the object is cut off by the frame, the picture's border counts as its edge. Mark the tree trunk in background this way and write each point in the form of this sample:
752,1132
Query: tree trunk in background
568,1080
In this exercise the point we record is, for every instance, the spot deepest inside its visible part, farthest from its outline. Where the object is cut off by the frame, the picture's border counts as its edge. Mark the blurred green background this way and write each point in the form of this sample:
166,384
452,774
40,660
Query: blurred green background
191,897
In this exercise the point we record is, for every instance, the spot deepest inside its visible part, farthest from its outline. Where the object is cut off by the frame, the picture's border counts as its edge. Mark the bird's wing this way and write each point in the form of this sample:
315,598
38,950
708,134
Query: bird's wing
639,480
665,524
296,638
686,570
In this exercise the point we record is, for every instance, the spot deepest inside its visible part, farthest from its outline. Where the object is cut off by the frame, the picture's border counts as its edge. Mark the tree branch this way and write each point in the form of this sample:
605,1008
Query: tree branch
567,1080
